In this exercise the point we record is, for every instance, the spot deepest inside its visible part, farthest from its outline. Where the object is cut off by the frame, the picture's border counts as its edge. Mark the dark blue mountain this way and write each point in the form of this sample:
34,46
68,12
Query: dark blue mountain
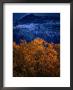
30,27
31,18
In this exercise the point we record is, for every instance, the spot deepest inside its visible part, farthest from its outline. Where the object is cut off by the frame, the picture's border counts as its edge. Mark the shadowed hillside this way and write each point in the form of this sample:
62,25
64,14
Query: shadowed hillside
37,58
33,25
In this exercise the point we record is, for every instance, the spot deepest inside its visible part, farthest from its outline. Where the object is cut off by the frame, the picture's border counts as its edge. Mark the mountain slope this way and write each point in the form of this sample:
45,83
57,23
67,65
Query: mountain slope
31,18
30,27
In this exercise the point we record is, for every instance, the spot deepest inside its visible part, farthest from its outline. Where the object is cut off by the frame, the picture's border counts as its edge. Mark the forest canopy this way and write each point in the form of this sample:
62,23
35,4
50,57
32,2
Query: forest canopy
37,58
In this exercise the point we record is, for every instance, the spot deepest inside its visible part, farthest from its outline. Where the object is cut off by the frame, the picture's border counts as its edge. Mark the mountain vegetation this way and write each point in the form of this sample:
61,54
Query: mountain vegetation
37,58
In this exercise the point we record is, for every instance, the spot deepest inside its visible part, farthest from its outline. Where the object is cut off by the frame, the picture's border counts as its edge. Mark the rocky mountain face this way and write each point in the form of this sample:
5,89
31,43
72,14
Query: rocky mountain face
30,27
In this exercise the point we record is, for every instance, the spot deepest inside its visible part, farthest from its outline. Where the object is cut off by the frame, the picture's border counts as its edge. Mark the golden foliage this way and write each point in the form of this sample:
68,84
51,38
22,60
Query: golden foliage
37,58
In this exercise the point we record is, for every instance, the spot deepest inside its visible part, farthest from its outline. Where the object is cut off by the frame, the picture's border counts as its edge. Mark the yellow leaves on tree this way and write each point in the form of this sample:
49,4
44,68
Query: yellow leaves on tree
37,58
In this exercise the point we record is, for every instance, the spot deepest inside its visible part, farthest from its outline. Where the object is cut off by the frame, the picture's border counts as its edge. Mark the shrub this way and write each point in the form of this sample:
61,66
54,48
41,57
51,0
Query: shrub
34,59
